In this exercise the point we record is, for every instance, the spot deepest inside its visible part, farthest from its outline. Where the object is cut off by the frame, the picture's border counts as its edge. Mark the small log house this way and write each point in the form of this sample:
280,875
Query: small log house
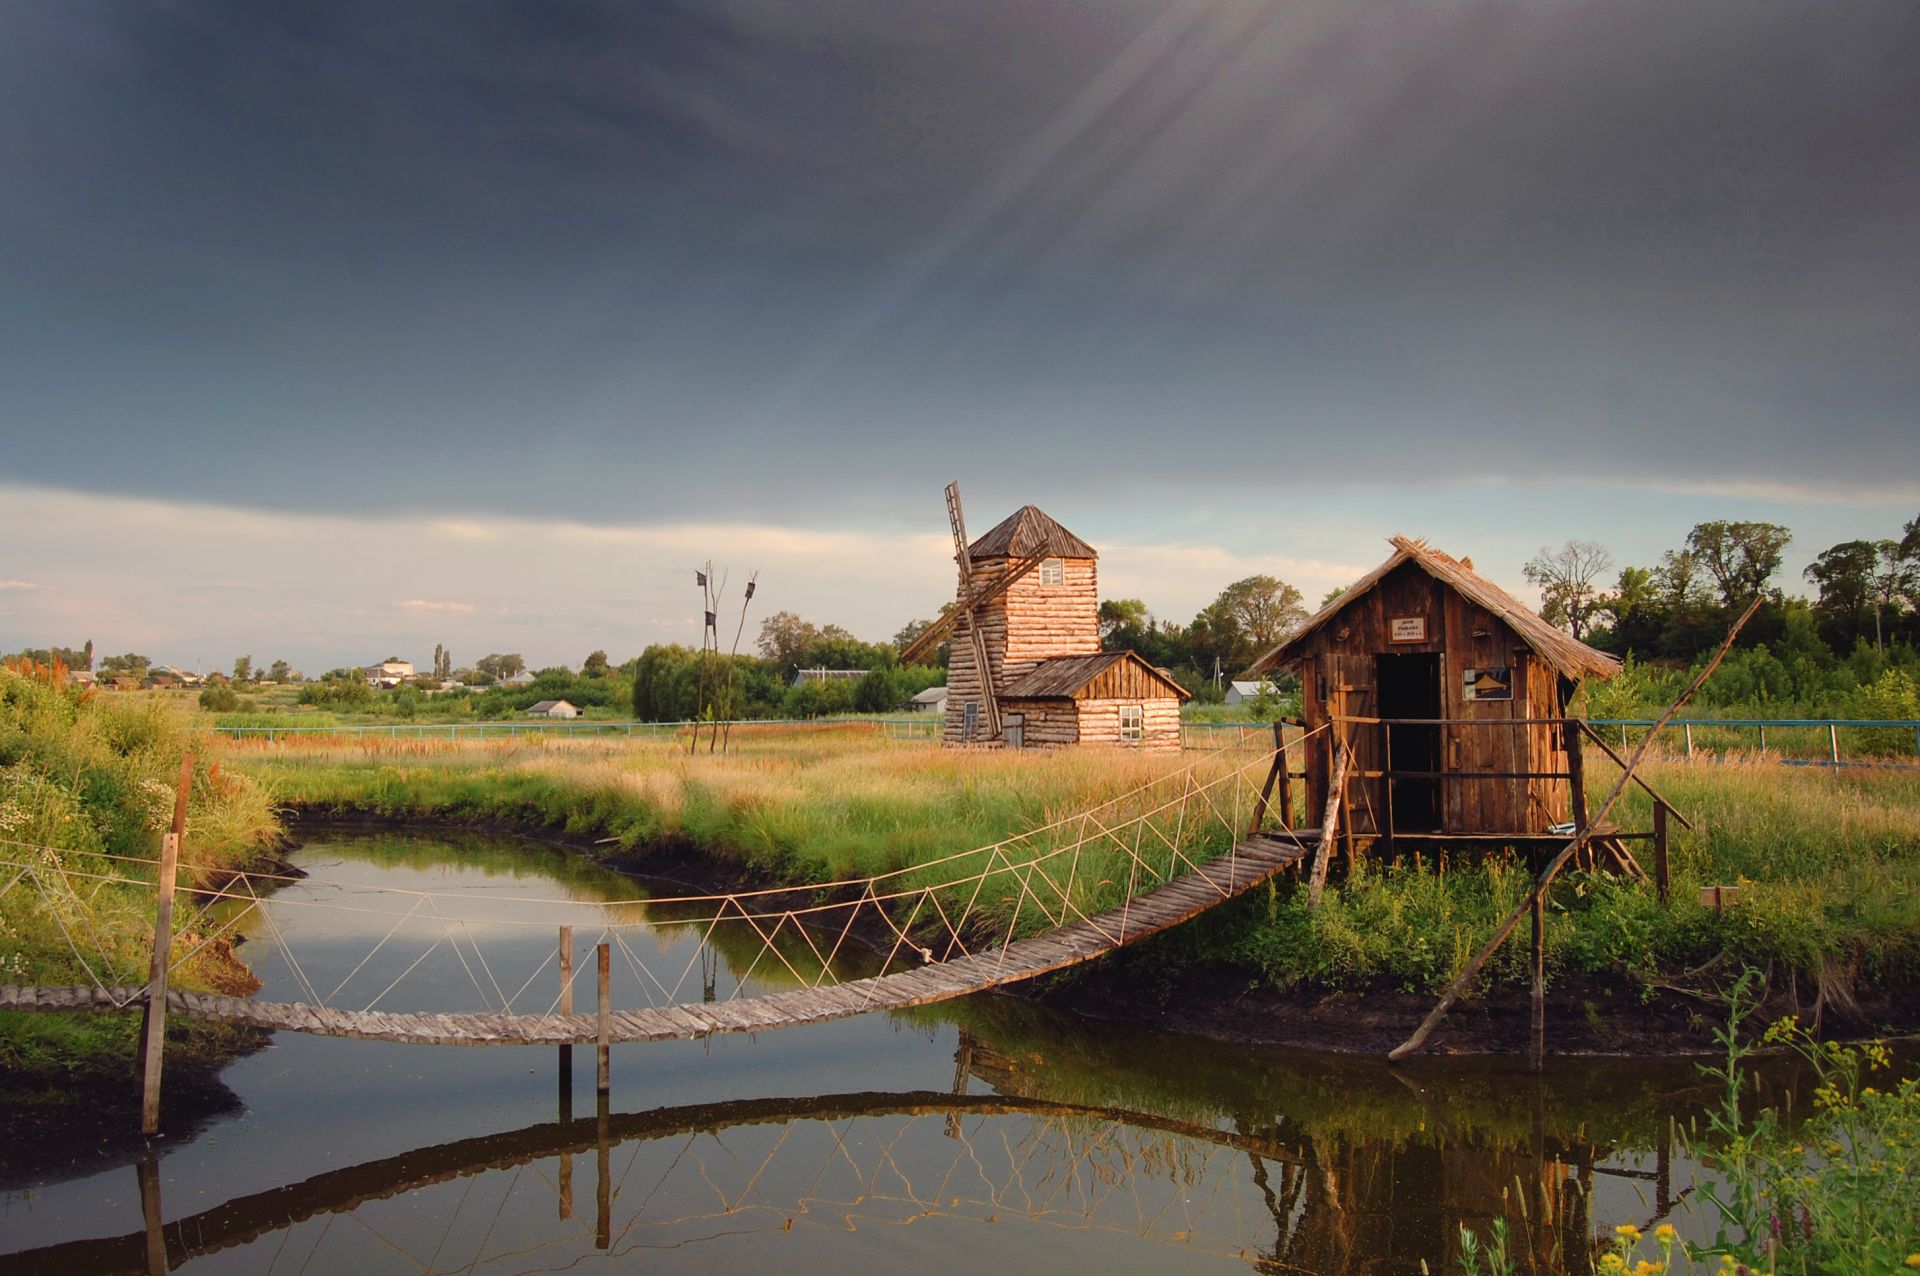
1453,696
1042,640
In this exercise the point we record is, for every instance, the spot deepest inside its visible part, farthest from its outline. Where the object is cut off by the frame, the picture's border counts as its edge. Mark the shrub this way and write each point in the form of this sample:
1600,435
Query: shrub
219,699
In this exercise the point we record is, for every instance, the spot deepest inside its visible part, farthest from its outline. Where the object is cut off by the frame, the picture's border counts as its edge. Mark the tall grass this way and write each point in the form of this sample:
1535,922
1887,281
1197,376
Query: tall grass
86,779
1829,864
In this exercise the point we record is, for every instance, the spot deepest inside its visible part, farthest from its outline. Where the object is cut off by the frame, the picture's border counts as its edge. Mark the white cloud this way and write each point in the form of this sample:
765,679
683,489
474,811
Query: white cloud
17,584
421,604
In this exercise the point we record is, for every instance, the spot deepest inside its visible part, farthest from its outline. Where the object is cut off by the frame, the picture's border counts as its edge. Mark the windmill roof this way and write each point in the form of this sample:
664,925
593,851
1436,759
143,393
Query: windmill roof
1562,650
1029,533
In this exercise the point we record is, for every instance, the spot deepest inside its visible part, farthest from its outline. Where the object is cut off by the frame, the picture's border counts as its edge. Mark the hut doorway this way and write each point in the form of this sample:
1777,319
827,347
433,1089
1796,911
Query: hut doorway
1409,687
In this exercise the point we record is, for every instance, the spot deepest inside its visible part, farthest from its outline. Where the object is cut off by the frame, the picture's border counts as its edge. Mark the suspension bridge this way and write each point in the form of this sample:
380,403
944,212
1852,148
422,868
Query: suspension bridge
1070,891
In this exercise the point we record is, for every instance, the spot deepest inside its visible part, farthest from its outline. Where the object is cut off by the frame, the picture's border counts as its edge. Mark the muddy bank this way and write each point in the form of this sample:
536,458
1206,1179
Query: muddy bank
61,1124
1585,1016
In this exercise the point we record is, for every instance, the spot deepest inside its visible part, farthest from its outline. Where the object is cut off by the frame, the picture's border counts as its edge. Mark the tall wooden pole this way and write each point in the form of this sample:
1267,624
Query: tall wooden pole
605,1080
565,1006
1537,1037
153,1016
148,1170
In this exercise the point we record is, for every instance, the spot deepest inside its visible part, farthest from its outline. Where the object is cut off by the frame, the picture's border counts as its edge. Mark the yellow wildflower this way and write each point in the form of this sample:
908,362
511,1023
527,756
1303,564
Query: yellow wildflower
1644,1268
1627,1230
1913,1260
1664,1233
1612,1263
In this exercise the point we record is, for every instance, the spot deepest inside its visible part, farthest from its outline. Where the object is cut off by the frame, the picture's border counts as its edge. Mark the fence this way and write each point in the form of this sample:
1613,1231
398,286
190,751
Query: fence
1796,741
1829,742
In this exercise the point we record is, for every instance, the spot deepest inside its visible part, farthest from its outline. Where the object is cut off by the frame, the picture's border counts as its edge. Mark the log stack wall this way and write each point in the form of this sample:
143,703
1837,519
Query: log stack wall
1159,724
1029,623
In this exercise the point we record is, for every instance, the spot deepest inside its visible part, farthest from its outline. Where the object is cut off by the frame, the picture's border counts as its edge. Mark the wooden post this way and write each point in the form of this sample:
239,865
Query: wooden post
1537,1036
1833,744
605,1081
1329,825
603,1188
1275,775
1285,775
148,1170
565,1006
153,1016
1687,727
1660,879
1576,775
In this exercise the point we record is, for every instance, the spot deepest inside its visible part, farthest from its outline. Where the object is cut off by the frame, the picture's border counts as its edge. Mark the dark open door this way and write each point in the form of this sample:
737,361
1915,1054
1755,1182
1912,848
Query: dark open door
1409,687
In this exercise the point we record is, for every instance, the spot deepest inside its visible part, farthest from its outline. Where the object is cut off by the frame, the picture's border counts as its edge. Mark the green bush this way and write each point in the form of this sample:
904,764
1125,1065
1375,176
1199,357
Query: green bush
219,699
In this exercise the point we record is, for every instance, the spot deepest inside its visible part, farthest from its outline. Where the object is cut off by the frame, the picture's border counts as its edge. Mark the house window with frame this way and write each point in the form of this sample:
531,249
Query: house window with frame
1132,725
1053,572
970,720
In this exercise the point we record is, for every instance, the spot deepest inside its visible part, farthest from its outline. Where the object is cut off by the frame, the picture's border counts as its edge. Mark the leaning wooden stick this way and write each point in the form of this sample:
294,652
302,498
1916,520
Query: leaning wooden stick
1329,823
1474,967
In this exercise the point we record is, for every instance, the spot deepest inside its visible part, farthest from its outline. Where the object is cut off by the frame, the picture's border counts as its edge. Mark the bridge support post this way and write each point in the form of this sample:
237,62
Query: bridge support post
564,1006
153,1016
603,1189
1537,1034
604,1082
150,1214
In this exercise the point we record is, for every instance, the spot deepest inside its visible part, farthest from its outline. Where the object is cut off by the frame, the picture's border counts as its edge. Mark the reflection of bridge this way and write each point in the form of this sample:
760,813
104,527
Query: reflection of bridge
1063,1142
1270,1190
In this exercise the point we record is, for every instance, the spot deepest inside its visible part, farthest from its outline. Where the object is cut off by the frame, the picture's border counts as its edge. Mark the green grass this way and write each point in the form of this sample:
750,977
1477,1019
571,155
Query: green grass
1829,864
87,780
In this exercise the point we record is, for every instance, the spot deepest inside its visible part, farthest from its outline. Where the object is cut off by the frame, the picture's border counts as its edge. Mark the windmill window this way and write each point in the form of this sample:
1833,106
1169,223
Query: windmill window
1053,572
1131,727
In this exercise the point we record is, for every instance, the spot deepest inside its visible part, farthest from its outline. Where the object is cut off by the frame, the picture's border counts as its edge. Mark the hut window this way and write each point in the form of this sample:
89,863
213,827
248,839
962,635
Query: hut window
1053,572
1130,722
969,719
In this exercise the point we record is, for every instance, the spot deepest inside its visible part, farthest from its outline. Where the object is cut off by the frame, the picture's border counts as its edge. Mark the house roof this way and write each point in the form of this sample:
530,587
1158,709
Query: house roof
541,706
932,695
1029,533
1567,654
1064,676
1248,688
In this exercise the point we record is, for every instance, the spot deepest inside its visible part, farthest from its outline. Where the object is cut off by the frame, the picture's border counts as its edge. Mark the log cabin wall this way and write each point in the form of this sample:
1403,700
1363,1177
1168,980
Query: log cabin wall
1029,623
1159,723
1048,724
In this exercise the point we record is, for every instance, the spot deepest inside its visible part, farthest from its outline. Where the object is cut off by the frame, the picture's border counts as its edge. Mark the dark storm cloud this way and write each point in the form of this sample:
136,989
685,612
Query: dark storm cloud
714,256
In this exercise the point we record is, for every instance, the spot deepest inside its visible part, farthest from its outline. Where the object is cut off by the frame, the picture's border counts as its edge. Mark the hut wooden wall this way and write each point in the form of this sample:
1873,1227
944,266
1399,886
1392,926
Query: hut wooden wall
1339,678
1050,620
1049,724
1159,724
1025,625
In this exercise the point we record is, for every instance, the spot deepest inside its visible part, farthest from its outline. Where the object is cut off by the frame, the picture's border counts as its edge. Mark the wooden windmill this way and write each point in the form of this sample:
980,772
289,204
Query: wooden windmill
999,632
963,620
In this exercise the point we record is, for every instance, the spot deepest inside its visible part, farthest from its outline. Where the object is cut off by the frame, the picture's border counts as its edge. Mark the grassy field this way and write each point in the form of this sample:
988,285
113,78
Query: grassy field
86,789
1829,862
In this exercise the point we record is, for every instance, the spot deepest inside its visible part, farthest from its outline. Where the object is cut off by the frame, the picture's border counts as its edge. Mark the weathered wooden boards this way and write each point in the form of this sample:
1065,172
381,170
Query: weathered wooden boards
1252,862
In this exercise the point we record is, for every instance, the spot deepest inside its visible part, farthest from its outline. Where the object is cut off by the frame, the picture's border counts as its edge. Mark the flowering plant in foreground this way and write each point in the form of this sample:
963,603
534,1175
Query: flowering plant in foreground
1832,1194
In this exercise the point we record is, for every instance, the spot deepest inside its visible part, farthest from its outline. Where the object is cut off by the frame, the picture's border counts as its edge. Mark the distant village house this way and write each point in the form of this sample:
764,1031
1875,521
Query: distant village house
552,709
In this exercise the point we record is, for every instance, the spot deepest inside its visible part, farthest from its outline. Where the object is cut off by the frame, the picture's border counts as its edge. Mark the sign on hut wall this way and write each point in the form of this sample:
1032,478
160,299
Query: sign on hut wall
1407,629
1488,684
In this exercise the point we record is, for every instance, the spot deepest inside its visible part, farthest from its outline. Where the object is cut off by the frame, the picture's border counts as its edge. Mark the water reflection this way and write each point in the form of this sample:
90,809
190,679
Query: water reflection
952,1138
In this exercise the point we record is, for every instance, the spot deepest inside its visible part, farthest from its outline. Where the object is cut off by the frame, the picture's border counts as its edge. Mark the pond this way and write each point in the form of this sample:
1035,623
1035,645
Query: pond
988,1133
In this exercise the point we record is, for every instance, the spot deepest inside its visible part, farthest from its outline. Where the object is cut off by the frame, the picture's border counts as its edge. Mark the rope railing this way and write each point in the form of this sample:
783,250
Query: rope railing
978,902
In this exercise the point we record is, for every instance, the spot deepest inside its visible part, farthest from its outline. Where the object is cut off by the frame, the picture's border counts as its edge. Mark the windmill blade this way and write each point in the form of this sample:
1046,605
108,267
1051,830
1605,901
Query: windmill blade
930,637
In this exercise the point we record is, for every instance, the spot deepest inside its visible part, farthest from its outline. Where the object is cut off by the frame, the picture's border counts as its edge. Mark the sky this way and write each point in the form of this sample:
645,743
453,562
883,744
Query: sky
333,332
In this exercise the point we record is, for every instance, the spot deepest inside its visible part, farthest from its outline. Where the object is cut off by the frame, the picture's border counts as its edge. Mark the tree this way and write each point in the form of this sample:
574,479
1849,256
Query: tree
1844,574
785,638
130,665
596,665
1566,580
1125,624
442,663
1326,599
243,668
279,671
497,666
1740,556
1249,617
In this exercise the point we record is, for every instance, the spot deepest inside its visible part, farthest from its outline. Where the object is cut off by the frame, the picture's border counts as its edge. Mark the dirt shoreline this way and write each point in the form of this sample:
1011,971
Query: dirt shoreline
1586,1016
